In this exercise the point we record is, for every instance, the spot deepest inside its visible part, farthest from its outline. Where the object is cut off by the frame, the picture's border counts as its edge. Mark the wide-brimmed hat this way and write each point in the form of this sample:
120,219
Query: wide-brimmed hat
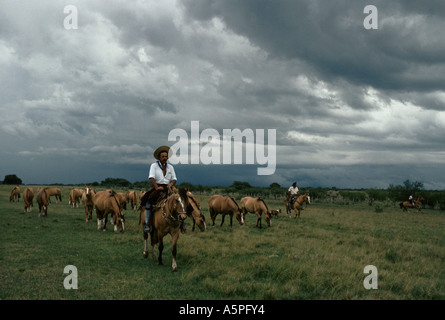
159,150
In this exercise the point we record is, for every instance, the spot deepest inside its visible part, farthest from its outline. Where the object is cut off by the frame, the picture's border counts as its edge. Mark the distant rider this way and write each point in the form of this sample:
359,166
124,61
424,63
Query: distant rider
292,192
411,200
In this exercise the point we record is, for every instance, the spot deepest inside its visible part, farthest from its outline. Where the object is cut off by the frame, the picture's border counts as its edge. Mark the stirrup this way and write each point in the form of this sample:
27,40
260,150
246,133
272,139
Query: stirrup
148,228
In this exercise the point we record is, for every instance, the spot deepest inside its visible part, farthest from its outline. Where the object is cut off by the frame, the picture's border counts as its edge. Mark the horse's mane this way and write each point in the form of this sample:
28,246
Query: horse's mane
260,199
235,203
183,194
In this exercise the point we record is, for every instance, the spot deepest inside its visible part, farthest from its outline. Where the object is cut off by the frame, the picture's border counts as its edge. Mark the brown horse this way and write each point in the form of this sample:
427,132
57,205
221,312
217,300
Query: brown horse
297,204
167,218
224,205
132,198
15,194
105,203
122,200
75,196
54,192
407,204
88,201
28,197
194,211
42,201
257,206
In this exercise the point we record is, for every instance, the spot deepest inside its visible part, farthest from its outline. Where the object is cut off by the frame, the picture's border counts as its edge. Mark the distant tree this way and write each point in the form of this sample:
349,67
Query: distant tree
12,179
239,185
274,185
402,192
115,182
376,195
412,187
185,185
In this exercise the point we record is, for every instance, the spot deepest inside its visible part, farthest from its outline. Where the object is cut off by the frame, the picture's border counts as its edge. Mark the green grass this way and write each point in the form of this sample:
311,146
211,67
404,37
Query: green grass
319,256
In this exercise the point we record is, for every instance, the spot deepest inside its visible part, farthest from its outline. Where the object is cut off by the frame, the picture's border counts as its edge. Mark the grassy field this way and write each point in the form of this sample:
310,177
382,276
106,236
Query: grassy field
322,255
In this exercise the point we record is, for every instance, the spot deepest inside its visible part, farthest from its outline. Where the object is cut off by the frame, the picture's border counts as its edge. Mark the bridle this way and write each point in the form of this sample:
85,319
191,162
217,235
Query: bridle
171,219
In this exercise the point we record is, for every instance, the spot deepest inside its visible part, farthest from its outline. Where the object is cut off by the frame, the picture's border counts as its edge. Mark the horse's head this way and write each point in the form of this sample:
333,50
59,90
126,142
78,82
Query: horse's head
119,220
268,217
88,190
307,198
194,209
237,209
177,206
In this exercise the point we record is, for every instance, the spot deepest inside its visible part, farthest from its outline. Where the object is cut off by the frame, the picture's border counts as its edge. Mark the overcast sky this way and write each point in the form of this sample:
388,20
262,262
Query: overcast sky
352,107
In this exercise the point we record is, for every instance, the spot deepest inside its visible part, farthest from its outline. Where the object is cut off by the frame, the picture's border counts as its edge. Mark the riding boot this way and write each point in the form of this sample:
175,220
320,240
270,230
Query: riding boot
147,226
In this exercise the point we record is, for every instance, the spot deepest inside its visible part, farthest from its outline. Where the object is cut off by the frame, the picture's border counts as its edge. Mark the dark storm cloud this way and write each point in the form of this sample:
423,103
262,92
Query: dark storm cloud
105,95
329,35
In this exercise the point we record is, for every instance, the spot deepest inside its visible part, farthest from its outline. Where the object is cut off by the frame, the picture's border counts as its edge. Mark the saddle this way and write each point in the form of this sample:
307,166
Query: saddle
154,197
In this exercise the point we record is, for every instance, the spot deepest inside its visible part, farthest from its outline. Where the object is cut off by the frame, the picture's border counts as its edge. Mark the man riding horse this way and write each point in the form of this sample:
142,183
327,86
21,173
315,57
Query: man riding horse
162,177
411,200
292,193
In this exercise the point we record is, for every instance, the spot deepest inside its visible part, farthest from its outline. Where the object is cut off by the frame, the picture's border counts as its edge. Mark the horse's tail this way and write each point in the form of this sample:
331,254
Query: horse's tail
401,205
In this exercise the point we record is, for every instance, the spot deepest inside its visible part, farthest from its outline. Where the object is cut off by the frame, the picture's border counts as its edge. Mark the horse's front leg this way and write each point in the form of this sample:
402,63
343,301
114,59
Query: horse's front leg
175,238
222,220
145,252
258,221
160,248
105,221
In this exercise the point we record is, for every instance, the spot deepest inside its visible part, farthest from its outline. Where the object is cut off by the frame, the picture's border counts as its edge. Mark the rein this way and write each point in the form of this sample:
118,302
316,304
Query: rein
170,218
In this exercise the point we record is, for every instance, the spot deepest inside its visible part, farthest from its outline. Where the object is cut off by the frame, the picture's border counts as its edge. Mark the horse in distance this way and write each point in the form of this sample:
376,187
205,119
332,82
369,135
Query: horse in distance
106,203
28,197
42,200
88,197
50,192
297,204
407,204
75,197
15,194
258,207
194,211
224,205
132,199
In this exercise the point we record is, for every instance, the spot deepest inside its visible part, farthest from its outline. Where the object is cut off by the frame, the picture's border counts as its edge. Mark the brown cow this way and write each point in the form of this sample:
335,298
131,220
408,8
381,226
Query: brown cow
28,197
107,203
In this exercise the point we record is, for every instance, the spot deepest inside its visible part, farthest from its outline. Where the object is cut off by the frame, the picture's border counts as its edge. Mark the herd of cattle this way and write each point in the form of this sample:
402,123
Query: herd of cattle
110,202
